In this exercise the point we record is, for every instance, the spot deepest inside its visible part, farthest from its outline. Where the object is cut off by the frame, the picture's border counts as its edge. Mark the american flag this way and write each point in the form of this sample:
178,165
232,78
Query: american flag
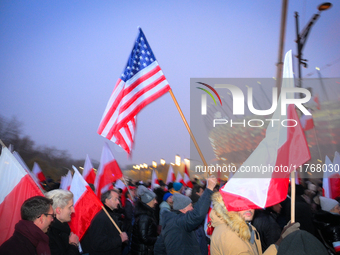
141,82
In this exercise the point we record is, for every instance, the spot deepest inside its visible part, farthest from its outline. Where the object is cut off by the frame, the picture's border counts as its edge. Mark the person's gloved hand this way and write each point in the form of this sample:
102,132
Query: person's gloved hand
288,229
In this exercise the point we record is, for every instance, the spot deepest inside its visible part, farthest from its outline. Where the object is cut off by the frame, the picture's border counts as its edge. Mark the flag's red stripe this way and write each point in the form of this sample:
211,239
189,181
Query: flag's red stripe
121,141
128,133
149,99
122,94
236,203
142,79
10,207
289,155
142,92
112,109
111,172
41,177
87,206
91,176
334,184
136,110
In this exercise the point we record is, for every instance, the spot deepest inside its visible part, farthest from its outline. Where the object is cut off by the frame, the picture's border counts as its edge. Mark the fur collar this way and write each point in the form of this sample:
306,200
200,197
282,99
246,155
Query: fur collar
220,214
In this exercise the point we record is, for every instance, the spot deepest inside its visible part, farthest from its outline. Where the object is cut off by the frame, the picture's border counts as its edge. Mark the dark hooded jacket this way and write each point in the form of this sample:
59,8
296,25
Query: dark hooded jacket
328,226
144,234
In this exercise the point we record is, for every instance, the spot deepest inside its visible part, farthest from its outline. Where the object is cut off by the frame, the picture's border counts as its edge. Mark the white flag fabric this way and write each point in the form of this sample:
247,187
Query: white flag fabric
86,204
38,173
282,148
88,171
16,186
108,171
171,175
154,180
65,182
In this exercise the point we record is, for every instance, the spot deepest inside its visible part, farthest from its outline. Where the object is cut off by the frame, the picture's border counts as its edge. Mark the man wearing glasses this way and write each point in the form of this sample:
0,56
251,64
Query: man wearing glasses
29,235
62,240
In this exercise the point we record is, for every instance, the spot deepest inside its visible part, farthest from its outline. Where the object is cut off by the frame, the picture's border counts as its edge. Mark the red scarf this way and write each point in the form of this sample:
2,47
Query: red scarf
38,238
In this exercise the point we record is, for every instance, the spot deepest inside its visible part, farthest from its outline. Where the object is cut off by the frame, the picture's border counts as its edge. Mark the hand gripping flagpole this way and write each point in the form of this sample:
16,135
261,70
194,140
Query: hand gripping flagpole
187,126
114,223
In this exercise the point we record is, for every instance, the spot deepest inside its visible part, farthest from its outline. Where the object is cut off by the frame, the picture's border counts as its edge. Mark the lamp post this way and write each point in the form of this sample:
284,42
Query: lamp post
302,37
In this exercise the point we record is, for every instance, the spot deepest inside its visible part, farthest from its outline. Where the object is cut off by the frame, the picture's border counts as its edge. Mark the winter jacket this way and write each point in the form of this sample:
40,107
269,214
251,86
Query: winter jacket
232,235
59,234
164,206
129,216
102,237
266,225
178,236
27,239
144,233
328,226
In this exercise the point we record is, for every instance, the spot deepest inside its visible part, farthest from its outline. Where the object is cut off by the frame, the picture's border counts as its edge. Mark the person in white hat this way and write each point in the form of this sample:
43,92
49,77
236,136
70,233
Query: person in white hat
327,221
329,205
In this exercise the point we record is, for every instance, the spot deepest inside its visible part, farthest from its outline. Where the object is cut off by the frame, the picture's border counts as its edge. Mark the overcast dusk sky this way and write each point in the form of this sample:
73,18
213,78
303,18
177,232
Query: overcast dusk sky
60,60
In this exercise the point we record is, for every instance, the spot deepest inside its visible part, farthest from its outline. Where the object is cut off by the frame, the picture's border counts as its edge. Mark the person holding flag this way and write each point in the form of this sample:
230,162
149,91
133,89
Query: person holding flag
178,231
62,240
103,237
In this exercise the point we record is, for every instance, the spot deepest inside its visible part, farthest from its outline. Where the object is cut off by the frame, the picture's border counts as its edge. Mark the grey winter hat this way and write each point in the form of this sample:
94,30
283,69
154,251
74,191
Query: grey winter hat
145,194
181,201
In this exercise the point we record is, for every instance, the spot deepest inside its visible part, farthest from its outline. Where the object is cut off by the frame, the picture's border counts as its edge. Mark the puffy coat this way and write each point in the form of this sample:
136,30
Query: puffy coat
144,234
232,235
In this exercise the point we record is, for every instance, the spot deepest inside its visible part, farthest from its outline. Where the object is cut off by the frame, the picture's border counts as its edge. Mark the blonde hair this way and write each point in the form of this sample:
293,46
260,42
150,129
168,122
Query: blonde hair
60,197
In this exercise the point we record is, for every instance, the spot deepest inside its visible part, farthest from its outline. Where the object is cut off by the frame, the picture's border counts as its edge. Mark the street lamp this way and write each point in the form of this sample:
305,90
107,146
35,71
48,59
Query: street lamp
177,160
302,37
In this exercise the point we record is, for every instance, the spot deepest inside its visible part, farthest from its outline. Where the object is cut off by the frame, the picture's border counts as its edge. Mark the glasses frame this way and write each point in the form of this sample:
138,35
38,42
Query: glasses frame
52,214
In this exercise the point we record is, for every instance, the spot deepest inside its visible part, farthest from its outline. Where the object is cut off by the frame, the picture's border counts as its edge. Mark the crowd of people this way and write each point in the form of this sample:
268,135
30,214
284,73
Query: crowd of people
172,219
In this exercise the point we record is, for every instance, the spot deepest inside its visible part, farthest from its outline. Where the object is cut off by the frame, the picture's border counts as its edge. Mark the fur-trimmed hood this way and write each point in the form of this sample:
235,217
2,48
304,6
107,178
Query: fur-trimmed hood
220,215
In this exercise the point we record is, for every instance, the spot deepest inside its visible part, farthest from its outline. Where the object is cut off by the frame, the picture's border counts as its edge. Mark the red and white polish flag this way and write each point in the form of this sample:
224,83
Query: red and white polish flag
171,175
180,178
307,122
187,181
65,182
25,167
38,173
86,204
154,180
88,171
16,186
331,179
108,171
120,185
283,147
